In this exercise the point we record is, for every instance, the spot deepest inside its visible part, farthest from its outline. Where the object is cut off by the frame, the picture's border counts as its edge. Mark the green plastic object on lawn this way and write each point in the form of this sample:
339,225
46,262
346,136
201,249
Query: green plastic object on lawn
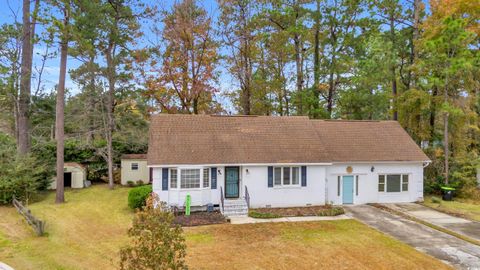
188,201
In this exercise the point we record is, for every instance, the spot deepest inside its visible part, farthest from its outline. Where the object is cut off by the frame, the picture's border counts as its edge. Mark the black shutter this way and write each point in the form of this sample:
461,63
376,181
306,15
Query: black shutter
214,177
165,179
270,176
304,176
150,175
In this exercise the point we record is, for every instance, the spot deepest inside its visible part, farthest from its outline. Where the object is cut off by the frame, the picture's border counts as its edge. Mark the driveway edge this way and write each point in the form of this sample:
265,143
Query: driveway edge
428,224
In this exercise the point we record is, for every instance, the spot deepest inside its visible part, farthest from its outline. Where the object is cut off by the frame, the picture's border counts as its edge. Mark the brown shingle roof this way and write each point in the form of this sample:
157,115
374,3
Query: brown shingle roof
204,139
134,156
367,141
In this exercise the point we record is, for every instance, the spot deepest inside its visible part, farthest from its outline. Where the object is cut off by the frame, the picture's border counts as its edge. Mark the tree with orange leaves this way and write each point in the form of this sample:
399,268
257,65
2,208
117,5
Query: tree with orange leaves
185,82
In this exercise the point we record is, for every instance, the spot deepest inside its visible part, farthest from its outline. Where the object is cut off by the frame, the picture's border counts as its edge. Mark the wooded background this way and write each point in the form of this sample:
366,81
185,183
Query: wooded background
412,61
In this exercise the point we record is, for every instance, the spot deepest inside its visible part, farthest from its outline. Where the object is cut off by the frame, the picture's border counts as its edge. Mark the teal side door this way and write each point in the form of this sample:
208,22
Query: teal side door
347,190
232,177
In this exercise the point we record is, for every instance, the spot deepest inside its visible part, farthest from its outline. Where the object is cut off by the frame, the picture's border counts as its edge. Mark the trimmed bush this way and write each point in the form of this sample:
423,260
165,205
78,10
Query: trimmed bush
333,211
255,214
138,196
130,183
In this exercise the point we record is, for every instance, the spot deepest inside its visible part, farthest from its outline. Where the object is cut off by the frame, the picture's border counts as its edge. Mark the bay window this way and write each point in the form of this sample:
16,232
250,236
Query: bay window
189,178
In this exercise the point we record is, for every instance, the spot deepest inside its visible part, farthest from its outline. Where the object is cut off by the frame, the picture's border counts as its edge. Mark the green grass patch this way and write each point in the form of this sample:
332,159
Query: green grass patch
465,208
200,238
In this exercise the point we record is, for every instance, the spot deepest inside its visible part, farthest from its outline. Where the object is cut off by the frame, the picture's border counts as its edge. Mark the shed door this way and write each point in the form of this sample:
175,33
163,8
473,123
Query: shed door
67,179
347,192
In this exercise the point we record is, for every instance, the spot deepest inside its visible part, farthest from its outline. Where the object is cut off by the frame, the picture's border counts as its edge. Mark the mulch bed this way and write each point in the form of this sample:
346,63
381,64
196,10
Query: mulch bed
293,211
199,218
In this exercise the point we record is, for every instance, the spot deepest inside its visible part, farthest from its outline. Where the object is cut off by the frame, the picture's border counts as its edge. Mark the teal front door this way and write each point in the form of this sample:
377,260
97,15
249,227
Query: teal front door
232,182
347,192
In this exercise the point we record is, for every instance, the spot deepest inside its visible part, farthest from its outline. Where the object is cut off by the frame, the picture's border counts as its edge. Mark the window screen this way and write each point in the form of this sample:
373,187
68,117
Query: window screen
295,175
286,175
277,176
190,178
206,178
173,178
134,166
381,183
393,183
405,182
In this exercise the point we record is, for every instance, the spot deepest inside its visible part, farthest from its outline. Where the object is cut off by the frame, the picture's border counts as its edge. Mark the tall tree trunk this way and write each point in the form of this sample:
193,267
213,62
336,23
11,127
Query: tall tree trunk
110,107
331,86
23,144
245,55
446,145
433,111
392,68
59,120
299,70
91,101
415,37
316,62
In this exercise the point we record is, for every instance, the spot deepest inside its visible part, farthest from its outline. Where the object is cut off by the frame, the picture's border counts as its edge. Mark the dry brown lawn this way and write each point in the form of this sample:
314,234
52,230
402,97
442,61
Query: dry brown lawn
343,244
88,231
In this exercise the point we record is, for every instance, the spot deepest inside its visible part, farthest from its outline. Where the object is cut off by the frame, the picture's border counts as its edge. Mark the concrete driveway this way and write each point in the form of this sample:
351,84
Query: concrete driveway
459,225
449,249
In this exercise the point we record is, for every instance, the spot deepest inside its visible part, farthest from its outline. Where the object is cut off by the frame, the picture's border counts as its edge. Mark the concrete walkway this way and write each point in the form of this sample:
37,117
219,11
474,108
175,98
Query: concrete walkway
442,246
248,220
459,225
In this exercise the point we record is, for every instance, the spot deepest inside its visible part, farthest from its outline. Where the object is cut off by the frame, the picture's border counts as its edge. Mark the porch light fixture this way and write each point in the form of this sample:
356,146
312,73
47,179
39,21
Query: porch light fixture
219,172
372,169
246,170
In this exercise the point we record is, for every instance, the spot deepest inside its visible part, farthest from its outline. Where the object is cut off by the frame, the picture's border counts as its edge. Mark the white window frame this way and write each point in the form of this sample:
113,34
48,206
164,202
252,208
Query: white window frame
282,182
170,178
203,177
179,178
200,172
385,175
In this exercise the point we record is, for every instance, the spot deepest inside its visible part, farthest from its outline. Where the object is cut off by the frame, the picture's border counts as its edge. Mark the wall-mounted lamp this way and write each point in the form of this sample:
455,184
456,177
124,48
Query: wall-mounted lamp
219,172
246,170
372,169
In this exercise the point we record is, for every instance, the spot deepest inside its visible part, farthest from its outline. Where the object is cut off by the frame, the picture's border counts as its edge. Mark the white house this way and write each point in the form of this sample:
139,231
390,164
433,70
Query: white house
263,161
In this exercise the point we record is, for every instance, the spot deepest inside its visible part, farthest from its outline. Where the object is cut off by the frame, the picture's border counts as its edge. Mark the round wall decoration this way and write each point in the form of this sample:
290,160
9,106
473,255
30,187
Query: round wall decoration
349,169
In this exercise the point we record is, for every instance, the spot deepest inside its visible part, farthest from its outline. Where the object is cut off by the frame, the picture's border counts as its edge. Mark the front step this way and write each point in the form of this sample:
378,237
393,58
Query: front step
237,207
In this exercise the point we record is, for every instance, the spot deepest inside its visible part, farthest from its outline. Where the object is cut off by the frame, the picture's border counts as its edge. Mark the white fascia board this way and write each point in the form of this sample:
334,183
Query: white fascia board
379,162
239,164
